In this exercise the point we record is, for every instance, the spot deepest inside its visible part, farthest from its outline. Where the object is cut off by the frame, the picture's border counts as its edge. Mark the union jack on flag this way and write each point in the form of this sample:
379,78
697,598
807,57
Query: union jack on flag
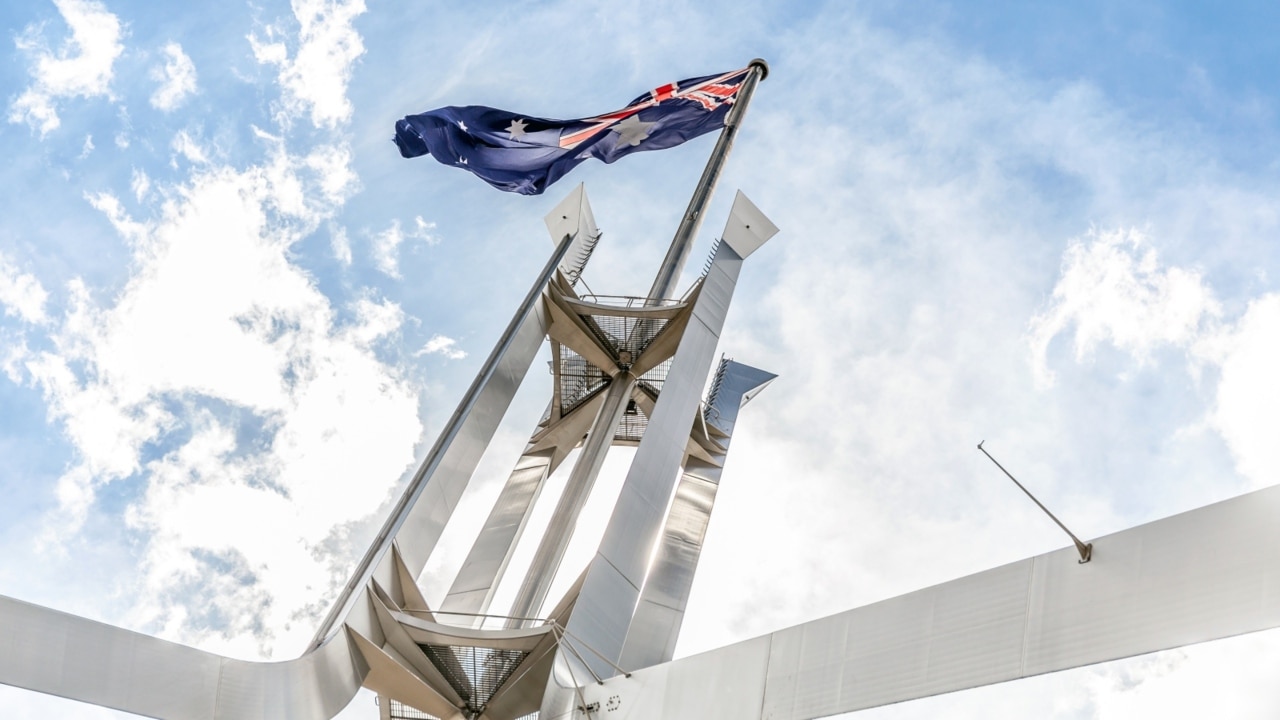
525,154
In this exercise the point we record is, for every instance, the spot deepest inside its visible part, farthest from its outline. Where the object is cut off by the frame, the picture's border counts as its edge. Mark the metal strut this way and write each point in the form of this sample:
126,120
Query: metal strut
1085,549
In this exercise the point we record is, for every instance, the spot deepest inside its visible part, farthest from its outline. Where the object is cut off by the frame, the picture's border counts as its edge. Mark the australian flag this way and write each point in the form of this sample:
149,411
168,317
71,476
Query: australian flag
524,154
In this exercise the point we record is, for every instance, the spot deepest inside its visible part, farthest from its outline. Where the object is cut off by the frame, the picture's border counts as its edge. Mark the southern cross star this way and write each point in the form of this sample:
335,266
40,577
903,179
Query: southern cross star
517,129
631,131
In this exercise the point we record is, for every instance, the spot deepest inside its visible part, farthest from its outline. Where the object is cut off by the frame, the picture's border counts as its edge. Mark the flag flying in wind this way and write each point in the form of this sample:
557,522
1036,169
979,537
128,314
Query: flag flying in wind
524,154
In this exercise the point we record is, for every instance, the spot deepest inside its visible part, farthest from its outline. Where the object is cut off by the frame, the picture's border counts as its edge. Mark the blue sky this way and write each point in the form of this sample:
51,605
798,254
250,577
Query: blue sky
232,317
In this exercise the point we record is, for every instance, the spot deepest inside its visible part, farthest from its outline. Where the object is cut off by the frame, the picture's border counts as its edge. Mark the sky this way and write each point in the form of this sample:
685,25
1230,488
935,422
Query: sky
232,318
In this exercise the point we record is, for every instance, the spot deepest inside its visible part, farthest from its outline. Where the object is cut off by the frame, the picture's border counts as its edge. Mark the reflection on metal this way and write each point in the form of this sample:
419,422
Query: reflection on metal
630,371
1085,549
605,605
1202,575
655,627
477,580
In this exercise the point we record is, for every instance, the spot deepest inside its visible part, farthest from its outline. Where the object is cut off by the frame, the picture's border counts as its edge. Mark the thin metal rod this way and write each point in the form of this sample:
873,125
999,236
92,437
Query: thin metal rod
678,253
378,548
530,663
594,651
1085,549
486,616
569,644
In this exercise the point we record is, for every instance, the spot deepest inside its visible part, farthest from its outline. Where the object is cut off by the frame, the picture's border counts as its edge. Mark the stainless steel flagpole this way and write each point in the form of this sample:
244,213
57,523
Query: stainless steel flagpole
678,253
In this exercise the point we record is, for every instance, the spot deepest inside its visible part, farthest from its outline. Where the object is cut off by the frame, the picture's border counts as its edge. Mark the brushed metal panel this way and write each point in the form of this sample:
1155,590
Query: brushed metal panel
316,685
610,590
717,289
655,627
672,573
739,677
480,573
1197,576
60,654
667,691
747,228
573,216
640,521
1202,575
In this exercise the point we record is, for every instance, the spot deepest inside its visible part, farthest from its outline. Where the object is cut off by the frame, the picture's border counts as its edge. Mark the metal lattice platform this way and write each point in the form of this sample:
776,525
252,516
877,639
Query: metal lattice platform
475,673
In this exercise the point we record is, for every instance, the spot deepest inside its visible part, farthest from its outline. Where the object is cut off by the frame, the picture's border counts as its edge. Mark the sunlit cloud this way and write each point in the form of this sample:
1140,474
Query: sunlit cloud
82,66
446,347
177,79
314,78
1113,289
385,245
21,293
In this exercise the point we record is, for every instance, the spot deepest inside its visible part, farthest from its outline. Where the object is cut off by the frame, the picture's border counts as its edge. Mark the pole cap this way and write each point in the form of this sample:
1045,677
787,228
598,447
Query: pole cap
760,63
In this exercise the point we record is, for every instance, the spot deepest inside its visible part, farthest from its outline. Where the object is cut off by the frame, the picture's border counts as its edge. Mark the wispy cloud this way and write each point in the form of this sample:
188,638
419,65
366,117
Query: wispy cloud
385,245
83,66
177,78
21,293
186,146
340,242
1114,289
444,346
314,79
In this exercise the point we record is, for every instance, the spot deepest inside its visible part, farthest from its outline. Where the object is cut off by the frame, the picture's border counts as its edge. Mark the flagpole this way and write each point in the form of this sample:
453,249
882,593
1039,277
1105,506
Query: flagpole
678,253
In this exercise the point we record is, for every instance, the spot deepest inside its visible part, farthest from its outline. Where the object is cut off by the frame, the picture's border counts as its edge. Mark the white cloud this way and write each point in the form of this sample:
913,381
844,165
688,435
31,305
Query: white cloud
186,146
441,345
425,231
82,67
215,331
1112,289
140,183
1247,408
386,244
315,79
87,148
21,293
386,249
177,78
341,244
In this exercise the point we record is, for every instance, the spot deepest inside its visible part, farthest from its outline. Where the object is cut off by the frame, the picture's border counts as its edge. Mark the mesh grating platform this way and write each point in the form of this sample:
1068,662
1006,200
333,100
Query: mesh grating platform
654,379
633,424
624,334
634,420
400,711
474,673
579,380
